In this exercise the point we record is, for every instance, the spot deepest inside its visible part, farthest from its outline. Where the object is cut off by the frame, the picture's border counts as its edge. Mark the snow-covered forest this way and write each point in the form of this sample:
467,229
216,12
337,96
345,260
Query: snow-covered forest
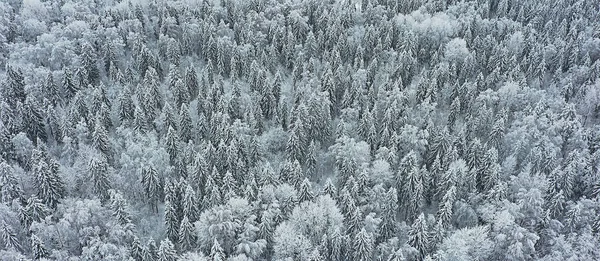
155,130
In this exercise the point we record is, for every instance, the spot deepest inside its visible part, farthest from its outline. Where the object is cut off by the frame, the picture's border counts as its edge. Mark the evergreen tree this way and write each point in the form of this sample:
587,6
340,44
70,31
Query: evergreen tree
190,203
34,210
363,246
418,236
306,193
329,189
172,144
311,160
149,252
68,84
38,248
9,186
89,60
166,251
185,123
49,185
191,82
120,210
152,185
98,171
388,222
9,237
100,137
187,237
126,107
136,250
216,252
15,89
33,120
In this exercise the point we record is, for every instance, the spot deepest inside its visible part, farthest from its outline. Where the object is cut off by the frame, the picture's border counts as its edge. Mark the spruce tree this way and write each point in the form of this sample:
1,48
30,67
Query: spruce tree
38,248
363,246
187,236
418,236
98,173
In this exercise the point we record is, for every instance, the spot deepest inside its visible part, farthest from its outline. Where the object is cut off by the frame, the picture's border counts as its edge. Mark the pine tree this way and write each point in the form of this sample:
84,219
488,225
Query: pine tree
166,251
149,252
98,171
187,236
152,185
413,192
363,246
190,203
33,120
311,160
38,248
388,222
140,120
9,186
418,236
126,107
49,185
34,210
191,82
172,144
51,89
229,187
329,189
69,86
355,219
171,221
15,89
185,123
9,237
306,193
120,209
100,137
216,252
445,209
136,250
89,60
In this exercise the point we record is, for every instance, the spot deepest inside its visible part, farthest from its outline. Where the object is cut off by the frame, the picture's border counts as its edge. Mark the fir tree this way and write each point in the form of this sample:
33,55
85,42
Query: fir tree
166,251
136,250
9,237
98,171
306,193
216,252
187,237
418,236
363,246
38,248
152,185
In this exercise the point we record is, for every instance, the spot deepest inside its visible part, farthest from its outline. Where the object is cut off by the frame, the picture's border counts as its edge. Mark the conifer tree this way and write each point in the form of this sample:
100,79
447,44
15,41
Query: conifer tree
216,252
187,237
120,209
363,246
49,184
9,238
136,250
149,252
306,193
69,86
185,123
166,251
152,185
98,171
418,236
38,248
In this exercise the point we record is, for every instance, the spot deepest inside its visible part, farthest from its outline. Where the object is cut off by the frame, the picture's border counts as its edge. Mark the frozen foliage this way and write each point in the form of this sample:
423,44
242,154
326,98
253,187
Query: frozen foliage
299,130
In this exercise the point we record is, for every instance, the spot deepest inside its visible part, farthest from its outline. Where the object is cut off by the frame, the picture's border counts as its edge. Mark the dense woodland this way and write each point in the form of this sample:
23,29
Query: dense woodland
299,130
